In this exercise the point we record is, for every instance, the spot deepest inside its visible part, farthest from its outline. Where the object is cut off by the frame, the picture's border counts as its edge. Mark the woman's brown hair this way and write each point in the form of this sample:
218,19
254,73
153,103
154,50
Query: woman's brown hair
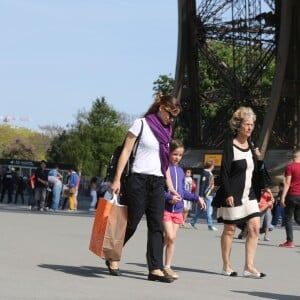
169,102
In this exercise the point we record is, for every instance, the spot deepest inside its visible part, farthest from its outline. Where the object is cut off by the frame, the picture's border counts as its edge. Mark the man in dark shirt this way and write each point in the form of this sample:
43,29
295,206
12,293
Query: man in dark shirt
7,185
206,191
41,184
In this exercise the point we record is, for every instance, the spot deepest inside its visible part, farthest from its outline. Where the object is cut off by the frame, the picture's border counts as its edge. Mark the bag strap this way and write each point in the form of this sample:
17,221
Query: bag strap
131,158
136,144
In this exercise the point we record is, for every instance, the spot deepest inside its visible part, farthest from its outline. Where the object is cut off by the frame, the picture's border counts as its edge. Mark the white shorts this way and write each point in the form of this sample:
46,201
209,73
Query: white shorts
187,204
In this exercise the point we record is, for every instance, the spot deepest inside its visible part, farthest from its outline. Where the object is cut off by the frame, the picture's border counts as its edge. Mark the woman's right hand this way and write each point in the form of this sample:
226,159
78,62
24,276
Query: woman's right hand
230,201
115,187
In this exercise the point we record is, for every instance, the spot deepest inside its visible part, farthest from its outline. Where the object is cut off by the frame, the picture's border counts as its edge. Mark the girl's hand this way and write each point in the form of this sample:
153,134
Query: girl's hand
176,198
173,192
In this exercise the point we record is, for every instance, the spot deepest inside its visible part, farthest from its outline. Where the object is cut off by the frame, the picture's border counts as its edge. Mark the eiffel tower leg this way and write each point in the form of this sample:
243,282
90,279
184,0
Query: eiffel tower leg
281,64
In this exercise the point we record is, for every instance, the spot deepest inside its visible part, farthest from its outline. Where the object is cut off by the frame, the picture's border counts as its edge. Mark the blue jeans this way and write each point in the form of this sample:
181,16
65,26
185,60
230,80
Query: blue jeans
292,208
278,212
56,191
39,197
208,212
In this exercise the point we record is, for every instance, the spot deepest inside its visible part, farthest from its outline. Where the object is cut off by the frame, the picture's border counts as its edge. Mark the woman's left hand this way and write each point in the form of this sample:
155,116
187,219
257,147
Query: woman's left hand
257,152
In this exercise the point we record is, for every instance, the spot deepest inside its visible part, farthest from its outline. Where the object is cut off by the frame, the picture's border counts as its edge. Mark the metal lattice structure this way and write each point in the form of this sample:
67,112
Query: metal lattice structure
248,29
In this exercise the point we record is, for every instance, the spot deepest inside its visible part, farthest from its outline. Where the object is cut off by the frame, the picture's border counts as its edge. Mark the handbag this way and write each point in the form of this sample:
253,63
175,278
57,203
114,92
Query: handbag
65,191
72,190
264,177
108,230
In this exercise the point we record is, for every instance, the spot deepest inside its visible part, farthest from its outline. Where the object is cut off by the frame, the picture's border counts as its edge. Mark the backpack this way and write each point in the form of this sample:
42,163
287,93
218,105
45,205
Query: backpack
113,162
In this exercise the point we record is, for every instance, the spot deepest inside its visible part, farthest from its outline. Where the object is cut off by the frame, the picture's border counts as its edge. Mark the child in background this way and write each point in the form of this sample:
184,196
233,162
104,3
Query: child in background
93,193
174,206
278,210
190,186
265,205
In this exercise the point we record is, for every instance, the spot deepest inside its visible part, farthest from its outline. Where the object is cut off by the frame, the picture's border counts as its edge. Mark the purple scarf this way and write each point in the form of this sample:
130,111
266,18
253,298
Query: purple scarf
163,135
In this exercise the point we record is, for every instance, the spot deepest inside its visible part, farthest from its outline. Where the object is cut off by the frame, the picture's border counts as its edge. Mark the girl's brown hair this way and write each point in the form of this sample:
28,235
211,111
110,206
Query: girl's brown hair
174,144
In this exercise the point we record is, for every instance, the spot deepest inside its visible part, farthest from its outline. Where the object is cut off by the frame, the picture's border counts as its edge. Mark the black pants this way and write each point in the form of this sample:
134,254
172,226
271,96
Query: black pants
145,195
292,209
9,189
19,192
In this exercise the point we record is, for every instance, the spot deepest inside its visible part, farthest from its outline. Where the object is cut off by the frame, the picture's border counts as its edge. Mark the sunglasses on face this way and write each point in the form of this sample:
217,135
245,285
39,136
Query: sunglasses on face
171,116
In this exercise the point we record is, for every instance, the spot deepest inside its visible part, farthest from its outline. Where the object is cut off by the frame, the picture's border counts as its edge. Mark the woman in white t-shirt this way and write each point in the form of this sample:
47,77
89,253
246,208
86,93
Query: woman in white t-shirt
144,191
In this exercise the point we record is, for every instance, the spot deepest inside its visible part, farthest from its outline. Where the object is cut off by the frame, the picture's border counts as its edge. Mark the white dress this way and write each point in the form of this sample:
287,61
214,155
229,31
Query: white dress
243,166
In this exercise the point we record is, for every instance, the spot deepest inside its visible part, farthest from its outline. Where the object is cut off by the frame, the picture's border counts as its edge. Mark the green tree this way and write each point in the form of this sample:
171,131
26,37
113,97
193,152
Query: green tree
164,84
106,131
90,142
22,143
18,149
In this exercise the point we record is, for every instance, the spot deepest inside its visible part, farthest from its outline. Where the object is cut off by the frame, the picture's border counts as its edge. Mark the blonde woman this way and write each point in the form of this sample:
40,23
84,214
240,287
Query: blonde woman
237,197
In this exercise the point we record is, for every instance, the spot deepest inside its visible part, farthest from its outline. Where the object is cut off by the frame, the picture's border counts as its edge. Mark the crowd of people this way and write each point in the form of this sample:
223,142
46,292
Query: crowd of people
45,190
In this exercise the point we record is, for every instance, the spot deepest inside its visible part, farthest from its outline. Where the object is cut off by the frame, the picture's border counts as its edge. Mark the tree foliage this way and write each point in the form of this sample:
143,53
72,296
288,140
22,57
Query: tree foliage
90,142
22,143
164,84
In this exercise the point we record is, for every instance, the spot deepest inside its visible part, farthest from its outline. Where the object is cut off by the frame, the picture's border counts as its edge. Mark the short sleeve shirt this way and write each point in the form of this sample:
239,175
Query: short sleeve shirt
147,160
293,170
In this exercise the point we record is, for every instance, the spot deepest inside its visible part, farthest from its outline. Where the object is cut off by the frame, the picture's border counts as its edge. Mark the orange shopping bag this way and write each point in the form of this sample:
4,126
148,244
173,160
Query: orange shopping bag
109,228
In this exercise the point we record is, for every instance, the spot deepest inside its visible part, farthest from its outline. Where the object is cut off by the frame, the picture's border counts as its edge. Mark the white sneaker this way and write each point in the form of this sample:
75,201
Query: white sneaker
213,228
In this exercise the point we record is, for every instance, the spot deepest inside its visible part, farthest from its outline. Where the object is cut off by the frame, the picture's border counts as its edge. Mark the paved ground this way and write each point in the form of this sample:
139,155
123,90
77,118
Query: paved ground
46,256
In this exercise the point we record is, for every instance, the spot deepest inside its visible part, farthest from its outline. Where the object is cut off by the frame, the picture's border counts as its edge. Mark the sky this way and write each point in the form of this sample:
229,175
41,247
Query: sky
58,56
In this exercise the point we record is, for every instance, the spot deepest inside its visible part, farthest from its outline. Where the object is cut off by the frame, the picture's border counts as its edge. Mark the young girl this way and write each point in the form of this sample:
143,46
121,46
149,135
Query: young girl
265,205
174,206
189,185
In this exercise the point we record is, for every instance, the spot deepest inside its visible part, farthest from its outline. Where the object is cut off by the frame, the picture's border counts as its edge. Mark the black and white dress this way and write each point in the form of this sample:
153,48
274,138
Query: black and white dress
237,171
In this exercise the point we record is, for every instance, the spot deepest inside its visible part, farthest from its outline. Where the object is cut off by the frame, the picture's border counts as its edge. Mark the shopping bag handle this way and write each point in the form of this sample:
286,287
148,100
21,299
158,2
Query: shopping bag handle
115,199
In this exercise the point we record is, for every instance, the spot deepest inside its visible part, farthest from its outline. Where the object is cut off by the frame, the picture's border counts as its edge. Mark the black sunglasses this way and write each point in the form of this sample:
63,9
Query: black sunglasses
171,116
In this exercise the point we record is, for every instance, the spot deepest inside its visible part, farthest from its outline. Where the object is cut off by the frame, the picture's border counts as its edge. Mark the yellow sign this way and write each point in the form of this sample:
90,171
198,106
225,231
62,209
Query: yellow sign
215,157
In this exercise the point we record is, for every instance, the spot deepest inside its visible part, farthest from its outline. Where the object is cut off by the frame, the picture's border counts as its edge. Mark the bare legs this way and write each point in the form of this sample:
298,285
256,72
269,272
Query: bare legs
250,245
170,239
226,241
185,214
